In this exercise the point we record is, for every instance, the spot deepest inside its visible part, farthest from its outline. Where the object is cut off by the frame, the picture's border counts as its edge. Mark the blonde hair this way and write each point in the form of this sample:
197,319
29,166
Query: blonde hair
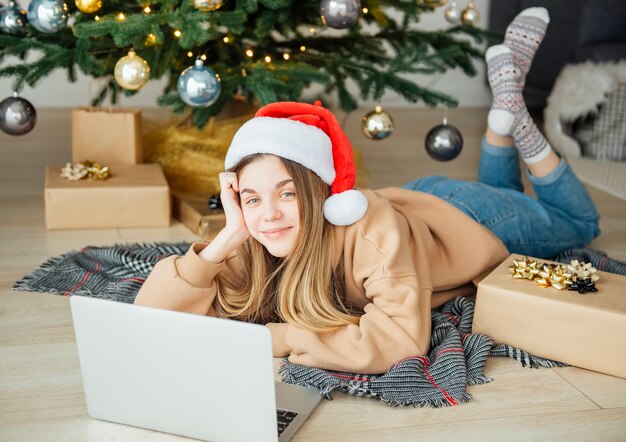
302,289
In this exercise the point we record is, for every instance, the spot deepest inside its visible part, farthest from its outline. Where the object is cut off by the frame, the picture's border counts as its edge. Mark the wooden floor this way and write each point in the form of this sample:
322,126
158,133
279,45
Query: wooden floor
41,395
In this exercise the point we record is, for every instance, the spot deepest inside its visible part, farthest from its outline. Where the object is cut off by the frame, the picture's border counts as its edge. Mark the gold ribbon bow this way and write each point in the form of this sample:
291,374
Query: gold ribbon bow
581,270
558,276
85,169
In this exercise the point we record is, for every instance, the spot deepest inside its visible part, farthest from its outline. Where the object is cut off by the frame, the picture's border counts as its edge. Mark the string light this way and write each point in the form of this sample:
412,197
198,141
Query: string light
177,33
226,39
286,56
147,10
189,54
249,53
96,18
203,57
365,10
312,30
268,59
151,39
121,16
302,48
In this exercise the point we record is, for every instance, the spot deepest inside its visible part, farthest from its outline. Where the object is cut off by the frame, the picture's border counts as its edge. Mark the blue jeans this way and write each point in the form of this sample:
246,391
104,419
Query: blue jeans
562,216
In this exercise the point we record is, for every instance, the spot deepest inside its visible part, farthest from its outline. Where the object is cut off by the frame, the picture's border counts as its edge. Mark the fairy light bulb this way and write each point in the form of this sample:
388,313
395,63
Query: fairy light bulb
177,33
268,59
147,10
120,17
249,53
286,56
302,48
226,39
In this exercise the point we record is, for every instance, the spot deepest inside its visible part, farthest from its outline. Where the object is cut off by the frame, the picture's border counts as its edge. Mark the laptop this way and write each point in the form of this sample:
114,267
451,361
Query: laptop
186,374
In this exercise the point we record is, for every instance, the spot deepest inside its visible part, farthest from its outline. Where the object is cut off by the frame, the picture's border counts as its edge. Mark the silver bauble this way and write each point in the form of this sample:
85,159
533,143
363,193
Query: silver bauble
377,124
207,5
13,20
340,14
47,15
131,71
444,142
470,15
453,13
17,116
199,86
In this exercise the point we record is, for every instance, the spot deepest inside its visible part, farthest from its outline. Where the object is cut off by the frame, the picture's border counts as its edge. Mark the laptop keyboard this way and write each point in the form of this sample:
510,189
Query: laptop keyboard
285,417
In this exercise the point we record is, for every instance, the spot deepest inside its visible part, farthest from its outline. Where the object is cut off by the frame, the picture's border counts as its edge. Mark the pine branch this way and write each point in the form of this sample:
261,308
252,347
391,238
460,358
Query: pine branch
375,54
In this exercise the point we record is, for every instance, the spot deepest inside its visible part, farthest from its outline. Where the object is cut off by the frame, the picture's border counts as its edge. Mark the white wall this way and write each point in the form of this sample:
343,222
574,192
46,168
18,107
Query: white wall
56,91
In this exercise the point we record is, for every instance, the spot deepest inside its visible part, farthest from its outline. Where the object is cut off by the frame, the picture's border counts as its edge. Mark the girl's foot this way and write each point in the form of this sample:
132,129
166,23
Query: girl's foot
508,115
523,37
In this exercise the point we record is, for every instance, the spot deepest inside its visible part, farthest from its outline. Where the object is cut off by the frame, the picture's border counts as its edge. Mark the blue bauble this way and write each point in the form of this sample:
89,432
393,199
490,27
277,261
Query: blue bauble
199,86
340,14
13,20
48,15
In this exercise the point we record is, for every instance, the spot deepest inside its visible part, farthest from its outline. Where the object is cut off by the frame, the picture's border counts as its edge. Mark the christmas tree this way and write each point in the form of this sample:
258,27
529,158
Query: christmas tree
266,50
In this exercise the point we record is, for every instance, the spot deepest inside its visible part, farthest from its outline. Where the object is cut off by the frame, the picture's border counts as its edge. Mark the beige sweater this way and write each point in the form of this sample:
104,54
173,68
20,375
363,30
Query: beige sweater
411,252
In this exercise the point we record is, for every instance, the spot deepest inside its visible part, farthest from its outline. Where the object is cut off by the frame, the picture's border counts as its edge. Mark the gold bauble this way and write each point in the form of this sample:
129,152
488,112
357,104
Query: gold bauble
131,71
88,6
435,3
470,15
207,5
377,124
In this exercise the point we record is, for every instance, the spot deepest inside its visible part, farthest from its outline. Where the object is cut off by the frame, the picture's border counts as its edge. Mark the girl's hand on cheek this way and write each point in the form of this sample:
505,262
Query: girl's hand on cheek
235,223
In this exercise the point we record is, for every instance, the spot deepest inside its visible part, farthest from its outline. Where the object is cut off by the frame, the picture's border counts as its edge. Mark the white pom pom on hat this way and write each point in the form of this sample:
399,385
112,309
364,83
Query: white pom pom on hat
310,135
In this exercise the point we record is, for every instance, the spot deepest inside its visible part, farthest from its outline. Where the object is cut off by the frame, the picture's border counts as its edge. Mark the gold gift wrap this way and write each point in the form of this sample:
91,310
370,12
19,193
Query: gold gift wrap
107,135
192,209
134,196
585,330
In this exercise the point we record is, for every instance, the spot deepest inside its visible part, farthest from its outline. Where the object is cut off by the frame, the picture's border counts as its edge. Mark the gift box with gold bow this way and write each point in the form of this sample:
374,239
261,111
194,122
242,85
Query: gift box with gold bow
126,196
566,312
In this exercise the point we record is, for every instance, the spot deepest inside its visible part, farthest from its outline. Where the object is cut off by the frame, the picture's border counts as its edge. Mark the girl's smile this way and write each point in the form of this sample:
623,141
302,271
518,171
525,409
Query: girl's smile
275,233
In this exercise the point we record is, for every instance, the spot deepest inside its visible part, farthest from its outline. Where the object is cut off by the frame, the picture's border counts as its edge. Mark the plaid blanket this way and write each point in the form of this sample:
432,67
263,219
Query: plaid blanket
456,358
114,273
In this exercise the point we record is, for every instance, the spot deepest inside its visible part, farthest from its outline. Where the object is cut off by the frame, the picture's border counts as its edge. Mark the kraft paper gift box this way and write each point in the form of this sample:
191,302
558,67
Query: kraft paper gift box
106,135
192,209
584,330
134,196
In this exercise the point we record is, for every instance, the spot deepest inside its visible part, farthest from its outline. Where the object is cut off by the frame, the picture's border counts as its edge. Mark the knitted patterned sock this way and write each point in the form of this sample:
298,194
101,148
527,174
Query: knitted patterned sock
524,35
508,115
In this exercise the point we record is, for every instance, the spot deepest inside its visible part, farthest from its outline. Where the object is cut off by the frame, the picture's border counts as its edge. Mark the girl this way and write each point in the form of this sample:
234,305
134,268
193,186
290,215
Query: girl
346,279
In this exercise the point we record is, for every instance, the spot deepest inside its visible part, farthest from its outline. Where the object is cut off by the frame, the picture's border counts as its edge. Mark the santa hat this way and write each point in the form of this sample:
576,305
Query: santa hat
309,135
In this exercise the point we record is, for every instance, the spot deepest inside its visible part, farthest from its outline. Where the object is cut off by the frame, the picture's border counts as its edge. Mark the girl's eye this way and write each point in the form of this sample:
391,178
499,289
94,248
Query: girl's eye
289,194
252,201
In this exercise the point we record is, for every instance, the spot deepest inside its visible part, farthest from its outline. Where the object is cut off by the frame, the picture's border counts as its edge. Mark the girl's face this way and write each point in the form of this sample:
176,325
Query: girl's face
269,205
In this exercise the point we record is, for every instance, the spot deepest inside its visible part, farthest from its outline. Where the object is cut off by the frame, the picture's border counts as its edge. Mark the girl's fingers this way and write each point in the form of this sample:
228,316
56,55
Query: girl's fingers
228,179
